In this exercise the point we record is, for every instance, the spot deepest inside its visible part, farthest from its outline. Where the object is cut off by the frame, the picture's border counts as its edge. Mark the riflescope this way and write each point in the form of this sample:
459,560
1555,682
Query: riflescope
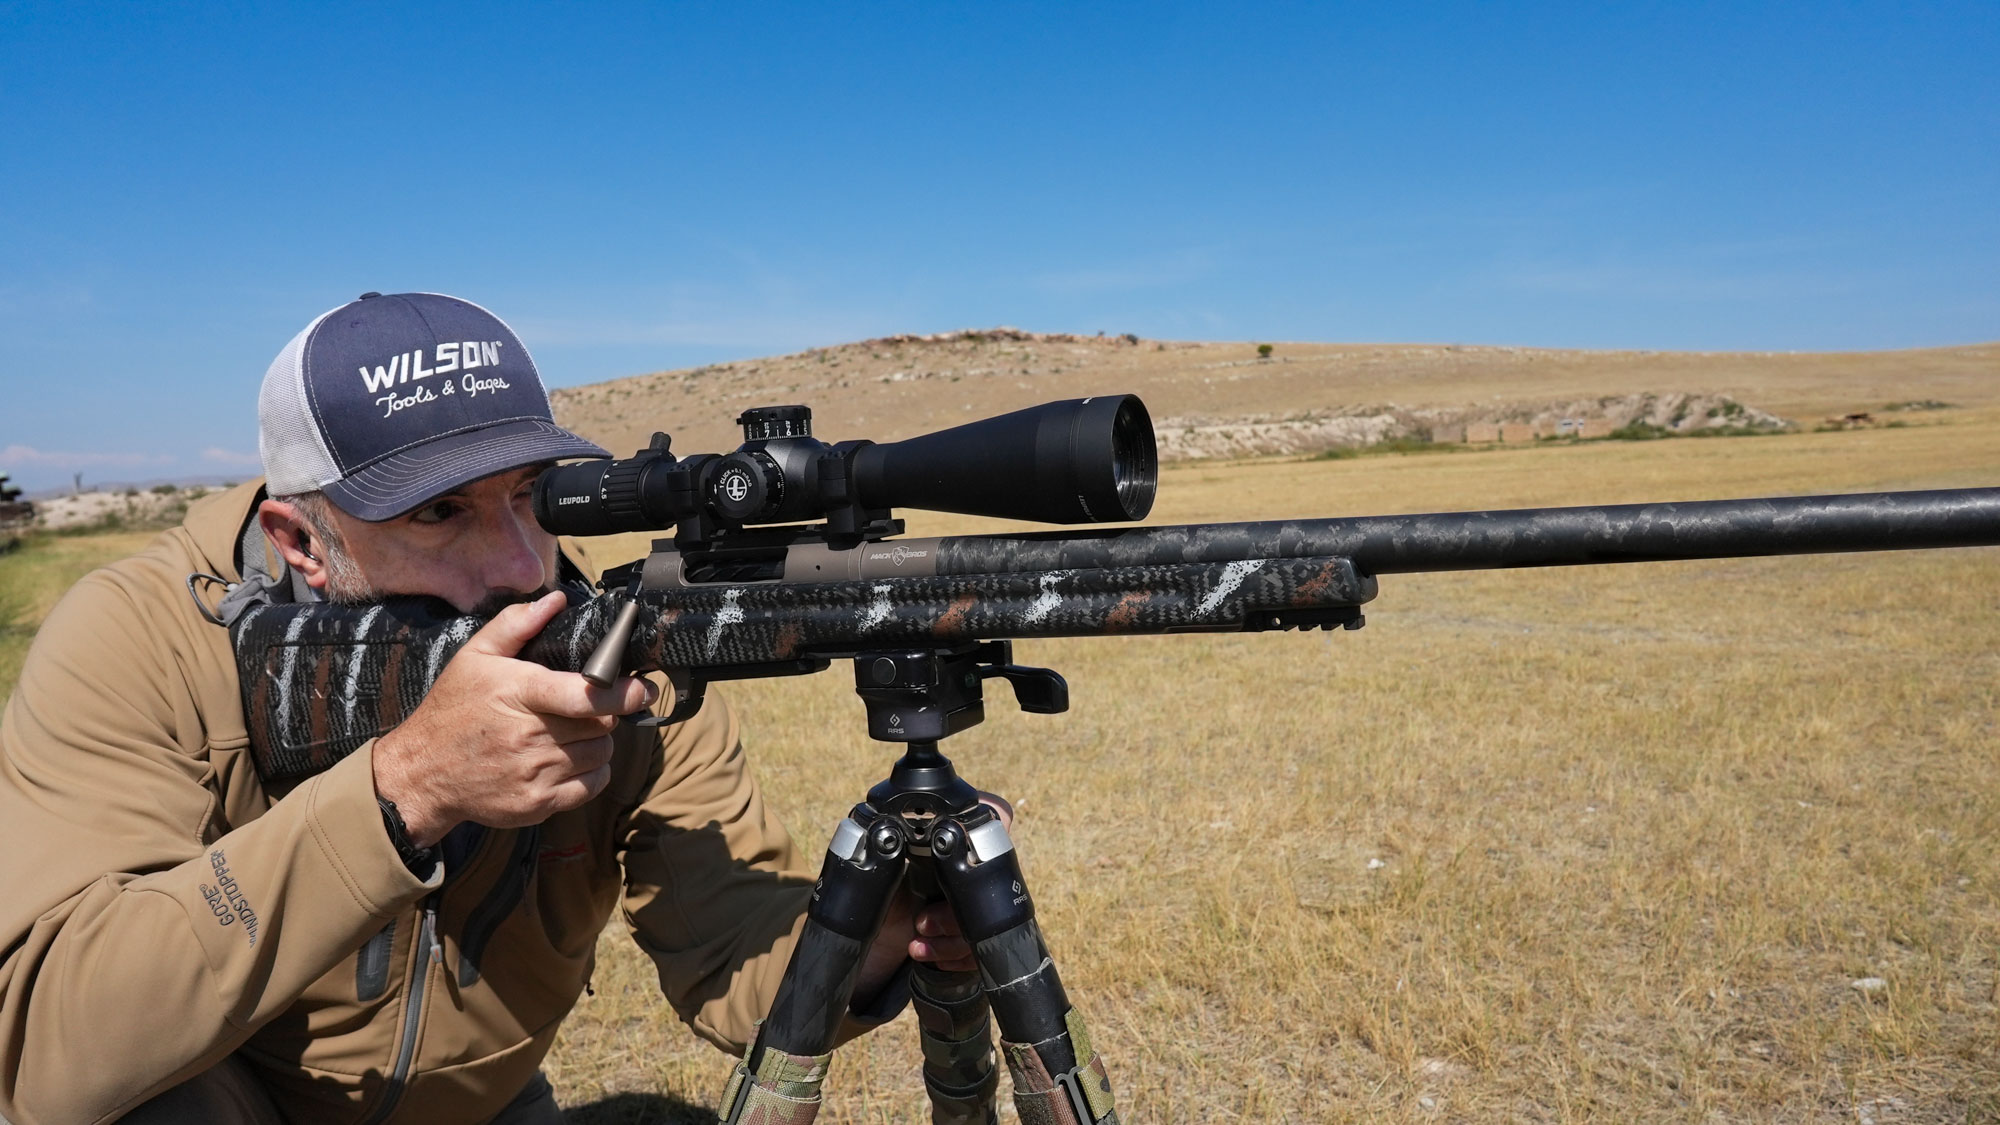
1088,460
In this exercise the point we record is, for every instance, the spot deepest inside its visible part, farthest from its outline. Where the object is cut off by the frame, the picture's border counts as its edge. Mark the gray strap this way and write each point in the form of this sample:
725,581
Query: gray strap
259,586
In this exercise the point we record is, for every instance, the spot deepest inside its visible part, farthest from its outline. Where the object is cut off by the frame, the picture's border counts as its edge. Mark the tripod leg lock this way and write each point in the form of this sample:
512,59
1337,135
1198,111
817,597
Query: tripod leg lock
1080,1096
783,1091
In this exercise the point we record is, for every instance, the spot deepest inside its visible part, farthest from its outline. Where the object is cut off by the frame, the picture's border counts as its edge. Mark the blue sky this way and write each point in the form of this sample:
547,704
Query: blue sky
652,186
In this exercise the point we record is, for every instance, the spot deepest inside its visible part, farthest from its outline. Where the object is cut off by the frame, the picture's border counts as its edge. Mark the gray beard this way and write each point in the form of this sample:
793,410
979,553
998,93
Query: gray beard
346,585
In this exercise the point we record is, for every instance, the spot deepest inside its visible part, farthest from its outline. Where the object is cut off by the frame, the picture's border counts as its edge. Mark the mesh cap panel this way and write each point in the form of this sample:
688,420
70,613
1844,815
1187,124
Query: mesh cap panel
296,458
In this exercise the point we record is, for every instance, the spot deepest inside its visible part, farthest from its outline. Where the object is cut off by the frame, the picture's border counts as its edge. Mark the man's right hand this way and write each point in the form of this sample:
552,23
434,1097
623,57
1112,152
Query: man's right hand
500,741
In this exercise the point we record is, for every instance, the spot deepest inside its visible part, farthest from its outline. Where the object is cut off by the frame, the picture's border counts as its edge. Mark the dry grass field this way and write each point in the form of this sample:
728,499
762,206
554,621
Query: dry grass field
32,578
1605,844
1599,844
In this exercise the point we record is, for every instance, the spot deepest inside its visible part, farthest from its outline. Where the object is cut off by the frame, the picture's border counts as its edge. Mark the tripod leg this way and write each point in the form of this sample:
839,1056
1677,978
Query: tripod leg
956,1030
779,1078
1058,1078
954,1027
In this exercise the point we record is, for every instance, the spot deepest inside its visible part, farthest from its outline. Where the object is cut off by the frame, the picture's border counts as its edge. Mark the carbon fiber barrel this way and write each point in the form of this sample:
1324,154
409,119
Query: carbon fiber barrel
1494,540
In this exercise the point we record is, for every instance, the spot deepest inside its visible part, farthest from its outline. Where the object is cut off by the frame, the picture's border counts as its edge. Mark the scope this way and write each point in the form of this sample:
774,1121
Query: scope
1087,460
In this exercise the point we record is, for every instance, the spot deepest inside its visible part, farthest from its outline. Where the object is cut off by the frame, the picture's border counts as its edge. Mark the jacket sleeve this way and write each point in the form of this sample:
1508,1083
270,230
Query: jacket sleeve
715,891
142,943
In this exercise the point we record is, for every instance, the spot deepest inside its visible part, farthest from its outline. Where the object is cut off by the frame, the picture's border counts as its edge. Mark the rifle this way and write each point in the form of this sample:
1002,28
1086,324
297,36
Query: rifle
744,590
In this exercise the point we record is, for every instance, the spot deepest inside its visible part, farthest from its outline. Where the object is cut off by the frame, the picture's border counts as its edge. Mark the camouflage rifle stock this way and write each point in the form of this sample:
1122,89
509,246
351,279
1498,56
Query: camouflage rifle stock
319,680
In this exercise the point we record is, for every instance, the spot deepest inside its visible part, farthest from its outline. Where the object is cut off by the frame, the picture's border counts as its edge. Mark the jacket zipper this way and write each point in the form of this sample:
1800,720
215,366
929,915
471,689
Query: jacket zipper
413,1008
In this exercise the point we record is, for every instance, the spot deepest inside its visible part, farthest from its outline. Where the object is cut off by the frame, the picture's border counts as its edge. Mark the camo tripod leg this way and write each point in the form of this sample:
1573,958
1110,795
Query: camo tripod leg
955,1028
778,1081
1058,1077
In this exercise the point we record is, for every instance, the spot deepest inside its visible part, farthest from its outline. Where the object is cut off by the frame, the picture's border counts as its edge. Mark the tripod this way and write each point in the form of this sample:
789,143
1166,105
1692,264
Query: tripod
926,824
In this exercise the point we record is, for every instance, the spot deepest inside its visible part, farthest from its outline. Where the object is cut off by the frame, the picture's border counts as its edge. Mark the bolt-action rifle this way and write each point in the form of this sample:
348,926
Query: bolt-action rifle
785,555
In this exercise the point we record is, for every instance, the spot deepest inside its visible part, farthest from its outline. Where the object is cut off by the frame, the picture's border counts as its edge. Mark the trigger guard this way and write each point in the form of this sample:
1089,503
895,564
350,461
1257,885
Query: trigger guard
688,692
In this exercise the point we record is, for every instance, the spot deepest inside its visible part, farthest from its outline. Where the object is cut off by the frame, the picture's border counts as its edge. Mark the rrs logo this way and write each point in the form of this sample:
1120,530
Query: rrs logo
465,355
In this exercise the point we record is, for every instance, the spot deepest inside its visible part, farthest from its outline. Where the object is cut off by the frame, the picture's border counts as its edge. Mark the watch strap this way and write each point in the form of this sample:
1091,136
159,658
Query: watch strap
418,860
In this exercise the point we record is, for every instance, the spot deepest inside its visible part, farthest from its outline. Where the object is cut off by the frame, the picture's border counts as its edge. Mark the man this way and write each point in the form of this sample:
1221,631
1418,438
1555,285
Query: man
400,936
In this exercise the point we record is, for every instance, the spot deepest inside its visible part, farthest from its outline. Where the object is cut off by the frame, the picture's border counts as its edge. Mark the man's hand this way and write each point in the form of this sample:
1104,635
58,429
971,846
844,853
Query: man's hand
926,933
500,741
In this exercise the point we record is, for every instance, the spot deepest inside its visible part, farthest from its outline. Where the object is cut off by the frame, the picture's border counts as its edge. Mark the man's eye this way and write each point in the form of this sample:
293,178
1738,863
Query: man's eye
434,513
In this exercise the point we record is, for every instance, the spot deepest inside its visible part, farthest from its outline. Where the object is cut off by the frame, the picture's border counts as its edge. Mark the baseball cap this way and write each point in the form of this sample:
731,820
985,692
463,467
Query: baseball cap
390,401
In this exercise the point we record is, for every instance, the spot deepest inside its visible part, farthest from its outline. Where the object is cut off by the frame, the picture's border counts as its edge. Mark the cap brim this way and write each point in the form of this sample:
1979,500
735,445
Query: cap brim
407,479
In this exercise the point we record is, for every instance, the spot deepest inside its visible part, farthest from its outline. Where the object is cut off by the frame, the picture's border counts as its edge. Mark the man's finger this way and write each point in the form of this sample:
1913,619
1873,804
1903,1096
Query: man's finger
548,692
516,625
999,805
563,730
937,920
945,953
588,754
575,791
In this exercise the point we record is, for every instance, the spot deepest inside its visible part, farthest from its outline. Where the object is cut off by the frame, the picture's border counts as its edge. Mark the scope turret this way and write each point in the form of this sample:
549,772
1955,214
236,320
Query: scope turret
765,423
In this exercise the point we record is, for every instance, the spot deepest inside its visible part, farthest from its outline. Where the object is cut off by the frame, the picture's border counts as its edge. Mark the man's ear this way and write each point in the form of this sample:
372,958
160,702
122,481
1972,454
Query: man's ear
286,527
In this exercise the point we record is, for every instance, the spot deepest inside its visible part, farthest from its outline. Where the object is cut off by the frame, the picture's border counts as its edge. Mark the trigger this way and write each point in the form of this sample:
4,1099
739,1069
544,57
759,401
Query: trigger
688,695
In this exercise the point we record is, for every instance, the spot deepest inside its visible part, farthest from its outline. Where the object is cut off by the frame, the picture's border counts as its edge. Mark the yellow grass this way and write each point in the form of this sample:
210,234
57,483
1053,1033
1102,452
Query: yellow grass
1638,827
34,574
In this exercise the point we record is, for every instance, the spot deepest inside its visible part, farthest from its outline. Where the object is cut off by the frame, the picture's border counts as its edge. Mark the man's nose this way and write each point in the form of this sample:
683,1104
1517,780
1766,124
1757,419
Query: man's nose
516,558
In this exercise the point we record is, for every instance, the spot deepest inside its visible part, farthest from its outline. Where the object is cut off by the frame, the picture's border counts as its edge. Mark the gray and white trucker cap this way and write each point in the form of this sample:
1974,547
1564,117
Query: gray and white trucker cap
390,401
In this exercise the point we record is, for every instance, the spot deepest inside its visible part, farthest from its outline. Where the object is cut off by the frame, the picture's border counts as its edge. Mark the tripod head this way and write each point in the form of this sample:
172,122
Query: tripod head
923,696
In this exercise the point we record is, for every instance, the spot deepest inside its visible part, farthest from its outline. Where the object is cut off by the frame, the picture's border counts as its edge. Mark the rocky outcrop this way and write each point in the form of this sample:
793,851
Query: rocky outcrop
1189,438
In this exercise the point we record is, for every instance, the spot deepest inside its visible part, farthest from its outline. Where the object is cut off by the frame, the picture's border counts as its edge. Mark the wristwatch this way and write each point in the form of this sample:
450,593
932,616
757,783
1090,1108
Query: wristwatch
418,860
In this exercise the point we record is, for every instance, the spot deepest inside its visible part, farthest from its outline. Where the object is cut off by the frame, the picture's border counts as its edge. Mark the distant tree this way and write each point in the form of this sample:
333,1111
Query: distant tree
1263,351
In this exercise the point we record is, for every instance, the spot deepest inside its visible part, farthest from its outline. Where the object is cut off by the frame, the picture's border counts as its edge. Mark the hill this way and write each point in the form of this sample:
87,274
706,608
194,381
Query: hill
897,386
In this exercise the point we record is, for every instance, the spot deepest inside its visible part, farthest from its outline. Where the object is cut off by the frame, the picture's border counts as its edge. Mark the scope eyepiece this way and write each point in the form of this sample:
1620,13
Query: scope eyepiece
611,496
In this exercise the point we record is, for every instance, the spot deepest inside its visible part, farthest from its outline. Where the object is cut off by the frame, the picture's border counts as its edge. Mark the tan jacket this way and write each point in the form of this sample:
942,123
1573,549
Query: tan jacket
162,908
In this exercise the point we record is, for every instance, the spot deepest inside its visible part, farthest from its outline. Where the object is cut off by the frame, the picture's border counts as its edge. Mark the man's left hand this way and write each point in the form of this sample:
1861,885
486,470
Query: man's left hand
928,933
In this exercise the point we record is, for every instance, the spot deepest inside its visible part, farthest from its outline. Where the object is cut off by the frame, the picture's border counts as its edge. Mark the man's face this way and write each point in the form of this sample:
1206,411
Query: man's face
477,547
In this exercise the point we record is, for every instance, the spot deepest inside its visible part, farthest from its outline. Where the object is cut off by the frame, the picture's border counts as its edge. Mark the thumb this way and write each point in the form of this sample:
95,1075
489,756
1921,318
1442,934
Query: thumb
516,625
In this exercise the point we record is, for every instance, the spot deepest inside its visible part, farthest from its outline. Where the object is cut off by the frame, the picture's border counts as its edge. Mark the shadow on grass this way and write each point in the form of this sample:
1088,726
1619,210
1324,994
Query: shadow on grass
640,1109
